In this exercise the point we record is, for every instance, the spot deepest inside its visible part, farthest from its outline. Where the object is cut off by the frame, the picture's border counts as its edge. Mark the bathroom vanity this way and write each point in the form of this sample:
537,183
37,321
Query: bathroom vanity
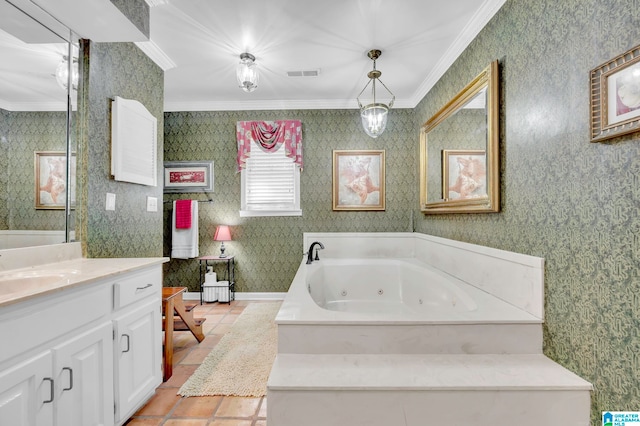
81,338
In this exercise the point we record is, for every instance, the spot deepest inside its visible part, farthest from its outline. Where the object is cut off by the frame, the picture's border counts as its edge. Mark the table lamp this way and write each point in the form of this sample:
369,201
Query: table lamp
222,234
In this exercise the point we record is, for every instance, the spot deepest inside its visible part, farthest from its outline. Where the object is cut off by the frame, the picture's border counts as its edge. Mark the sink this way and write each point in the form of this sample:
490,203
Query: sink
32,280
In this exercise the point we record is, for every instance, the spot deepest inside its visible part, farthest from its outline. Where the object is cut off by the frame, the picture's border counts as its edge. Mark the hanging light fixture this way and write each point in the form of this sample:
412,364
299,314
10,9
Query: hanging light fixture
374,115
62,73
247,72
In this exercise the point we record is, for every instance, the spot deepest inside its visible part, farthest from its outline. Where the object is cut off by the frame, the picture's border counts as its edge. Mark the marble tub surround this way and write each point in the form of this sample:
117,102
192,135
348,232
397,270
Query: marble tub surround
481,365
35,271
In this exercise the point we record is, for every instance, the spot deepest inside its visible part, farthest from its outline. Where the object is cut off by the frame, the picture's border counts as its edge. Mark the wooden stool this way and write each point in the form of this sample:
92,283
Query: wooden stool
172,304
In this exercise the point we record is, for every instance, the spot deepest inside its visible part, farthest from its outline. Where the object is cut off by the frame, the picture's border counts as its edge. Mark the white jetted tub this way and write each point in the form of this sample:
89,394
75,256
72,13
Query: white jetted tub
386,287
396,328
377,293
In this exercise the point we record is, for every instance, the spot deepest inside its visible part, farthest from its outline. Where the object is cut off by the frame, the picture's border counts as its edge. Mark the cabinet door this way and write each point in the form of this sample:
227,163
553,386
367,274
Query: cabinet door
27,393
137,356
84,378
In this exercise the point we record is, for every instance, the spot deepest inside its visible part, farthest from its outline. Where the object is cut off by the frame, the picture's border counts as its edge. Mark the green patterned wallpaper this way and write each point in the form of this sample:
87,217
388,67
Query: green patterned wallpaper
572,202
116,69
23,134
4,166
268,250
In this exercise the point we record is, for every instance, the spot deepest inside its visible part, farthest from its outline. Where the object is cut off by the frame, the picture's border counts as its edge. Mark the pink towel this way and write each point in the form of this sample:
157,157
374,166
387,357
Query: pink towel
183,214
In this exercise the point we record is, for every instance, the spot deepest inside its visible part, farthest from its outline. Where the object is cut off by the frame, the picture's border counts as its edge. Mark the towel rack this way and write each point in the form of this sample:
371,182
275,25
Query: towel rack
199,201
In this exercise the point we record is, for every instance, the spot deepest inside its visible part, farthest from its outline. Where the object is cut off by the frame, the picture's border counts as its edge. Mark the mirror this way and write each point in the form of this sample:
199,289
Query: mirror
459,151
35,132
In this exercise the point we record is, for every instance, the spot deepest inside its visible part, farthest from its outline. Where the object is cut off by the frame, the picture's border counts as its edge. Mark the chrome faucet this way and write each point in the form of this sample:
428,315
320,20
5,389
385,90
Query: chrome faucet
310,252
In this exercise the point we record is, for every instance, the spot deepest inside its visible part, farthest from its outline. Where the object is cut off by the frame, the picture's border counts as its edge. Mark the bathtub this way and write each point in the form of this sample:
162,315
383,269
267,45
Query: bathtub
398,328
356,299
393,287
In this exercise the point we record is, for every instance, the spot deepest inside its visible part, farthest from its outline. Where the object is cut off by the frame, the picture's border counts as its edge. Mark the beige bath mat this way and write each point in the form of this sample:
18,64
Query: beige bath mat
239,365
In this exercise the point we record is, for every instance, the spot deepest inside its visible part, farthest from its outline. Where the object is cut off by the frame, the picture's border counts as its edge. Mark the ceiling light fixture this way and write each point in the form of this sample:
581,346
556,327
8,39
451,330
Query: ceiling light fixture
374,115
247,72
62,73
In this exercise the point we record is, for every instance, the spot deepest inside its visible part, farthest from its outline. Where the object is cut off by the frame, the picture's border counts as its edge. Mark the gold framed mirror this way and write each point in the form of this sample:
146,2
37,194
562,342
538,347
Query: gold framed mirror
459,171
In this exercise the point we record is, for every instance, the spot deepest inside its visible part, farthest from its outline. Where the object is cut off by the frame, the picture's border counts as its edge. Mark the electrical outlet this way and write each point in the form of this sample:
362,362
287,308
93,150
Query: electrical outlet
152,204
111,201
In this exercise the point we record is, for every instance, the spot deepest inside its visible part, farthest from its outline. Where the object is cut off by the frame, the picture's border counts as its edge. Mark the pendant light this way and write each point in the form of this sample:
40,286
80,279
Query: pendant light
62,73
247,73
374,115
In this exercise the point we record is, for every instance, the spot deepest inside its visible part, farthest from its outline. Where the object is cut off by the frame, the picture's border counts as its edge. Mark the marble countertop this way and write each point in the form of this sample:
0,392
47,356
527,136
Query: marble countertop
20,284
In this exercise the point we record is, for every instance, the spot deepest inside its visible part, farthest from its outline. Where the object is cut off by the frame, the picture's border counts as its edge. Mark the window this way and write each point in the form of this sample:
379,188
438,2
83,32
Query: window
270,185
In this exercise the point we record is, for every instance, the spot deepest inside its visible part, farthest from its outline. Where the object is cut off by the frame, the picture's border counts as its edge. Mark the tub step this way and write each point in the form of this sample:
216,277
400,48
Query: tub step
491,390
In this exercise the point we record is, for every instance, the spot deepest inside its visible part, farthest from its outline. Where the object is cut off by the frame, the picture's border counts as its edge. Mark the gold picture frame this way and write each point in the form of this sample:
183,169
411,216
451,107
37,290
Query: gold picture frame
358,180
615,96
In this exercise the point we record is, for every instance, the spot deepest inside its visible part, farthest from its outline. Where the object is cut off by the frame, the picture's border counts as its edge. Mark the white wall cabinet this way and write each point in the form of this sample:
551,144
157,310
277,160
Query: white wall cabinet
84,356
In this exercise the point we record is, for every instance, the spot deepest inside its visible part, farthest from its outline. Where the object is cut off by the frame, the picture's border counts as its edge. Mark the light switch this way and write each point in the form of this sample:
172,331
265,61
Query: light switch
152,204
111,201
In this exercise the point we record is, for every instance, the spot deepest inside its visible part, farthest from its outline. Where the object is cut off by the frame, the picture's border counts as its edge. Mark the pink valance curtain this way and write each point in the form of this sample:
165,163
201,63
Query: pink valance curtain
269,136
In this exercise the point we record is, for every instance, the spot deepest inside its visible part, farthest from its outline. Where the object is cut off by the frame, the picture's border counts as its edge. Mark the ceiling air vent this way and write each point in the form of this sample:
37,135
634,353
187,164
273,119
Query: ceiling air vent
306,73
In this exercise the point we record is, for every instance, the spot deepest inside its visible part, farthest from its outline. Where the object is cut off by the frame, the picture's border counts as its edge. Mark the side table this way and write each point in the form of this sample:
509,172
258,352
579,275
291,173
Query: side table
230,273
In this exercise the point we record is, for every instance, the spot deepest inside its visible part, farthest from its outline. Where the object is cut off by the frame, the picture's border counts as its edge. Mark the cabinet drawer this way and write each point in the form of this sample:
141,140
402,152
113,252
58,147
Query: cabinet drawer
137,286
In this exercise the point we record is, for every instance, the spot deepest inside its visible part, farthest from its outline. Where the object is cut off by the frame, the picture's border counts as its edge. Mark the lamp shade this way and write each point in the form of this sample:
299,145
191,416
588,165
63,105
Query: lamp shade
222,233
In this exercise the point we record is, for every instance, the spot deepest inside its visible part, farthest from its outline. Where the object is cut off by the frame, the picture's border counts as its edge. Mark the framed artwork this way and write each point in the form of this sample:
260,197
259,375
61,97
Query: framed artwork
50,179
358,180
188,176
464,174
615,97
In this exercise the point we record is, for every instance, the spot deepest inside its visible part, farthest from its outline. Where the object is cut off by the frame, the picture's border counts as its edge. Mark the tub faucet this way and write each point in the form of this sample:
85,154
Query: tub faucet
310,253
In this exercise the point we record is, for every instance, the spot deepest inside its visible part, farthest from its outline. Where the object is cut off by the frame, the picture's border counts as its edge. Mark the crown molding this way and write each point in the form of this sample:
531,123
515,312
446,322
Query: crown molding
473,28
32,106
270,105
156,54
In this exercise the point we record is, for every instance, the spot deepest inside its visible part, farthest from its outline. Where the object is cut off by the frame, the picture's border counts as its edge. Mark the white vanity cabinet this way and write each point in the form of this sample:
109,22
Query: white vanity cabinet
138,340
83,355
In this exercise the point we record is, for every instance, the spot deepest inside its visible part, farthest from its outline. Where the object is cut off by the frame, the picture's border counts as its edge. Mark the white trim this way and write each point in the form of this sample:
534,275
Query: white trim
268,105
468,34
33,106
266,213
156,54
194,295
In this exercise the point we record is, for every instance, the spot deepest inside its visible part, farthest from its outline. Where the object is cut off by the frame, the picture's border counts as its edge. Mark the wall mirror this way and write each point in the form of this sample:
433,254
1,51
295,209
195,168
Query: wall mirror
36,129
459,170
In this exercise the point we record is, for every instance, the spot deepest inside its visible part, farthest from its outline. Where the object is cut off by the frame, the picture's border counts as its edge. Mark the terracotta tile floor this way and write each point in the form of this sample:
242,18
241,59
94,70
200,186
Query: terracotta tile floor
168,409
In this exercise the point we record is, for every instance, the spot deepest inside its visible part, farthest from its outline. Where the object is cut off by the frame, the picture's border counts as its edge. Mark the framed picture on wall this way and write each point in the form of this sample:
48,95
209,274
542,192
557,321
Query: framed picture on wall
464,174
358,180
188,176
50,179
615,97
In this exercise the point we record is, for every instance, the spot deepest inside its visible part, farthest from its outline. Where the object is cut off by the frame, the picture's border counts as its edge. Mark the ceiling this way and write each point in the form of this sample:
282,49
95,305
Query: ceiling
198,43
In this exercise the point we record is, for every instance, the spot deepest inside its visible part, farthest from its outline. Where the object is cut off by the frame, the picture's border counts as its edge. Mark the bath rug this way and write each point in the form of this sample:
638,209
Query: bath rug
239,365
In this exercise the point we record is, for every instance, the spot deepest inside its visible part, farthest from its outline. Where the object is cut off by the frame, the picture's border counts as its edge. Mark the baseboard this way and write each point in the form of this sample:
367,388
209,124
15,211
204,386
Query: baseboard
194,295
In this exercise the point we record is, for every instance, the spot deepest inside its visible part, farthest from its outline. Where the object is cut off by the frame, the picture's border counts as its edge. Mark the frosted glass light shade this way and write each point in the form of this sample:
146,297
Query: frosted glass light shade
62,73
374,119
247,73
